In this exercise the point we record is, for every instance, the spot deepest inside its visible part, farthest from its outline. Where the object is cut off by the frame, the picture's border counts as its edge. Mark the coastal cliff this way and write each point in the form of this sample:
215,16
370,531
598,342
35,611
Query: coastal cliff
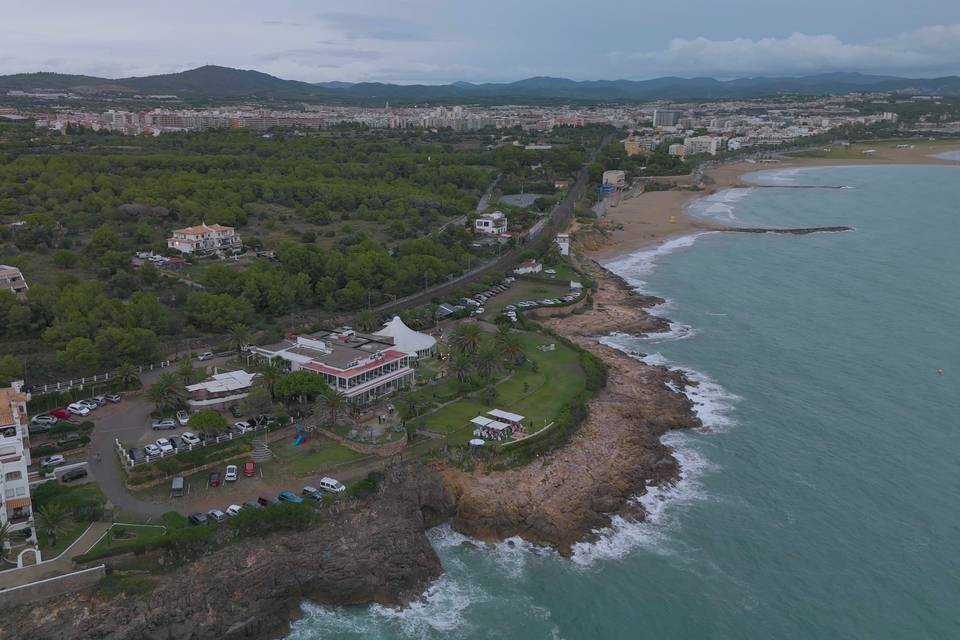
373,551
563,496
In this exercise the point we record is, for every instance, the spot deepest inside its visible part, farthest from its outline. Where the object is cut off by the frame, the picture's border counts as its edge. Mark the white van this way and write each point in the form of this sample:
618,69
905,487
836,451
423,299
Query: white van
331,485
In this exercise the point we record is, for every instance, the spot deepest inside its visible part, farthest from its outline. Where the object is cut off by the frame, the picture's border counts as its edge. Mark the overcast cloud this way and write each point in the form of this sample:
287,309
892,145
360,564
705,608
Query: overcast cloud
499,40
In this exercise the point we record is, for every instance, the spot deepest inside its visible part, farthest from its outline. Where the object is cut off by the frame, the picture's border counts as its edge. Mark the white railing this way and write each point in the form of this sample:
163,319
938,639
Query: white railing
129,462
79,383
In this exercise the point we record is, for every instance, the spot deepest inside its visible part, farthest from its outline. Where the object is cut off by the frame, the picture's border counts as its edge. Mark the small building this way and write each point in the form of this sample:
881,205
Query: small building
563,242
676,150
220,389
12,280
528,266
615,177
491,223
407,340
204,238
561,184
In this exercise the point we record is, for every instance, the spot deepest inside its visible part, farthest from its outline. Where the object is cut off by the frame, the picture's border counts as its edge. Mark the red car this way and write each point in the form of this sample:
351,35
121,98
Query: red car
213,479
60,412
249,468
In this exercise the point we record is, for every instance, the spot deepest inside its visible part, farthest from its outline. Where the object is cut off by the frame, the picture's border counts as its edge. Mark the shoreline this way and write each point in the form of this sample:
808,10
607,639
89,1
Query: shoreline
643,220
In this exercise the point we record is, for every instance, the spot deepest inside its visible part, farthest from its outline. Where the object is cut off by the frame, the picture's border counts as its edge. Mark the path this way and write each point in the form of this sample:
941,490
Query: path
60,565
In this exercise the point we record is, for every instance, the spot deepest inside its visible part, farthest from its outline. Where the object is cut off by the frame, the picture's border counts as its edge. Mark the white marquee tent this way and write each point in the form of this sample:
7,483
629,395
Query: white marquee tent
408,340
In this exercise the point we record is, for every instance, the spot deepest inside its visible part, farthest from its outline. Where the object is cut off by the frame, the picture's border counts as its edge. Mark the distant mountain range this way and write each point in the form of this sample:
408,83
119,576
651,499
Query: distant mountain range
213,83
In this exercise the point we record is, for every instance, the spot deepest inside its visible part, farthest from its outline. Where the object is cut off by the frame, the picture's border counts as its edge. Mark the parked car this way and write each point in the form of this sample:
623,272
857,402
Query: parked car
52,461
78,409
183,417
266,501
289,496
214,479
136,454
235,411
332,485
252,504
48,420
316,494
189,438
231,474
113,397
164,424
39,428
100,400
249,468
178,443
165,445
90,403
206,355
198,518
151,449
234,510
60,412
74,474
216,515
242,426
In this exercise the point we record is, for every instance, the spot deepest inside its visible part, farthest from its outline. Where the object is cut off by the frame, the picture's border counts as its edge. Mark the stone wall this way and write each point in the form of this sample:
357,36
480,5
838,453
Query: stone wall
43,589
385,450
551,312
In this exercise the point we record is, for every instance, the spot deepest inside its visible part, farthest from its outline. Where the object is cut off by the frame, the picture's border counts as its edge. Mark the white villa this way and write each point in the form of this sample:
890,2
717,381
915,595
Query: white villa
491,223
204,238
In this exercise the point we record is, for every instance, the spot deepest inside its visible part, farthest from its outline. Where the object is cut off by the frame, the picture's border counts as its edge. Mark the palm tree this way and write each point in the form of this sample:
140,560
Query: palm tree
269,372
54,519
510,345
365,320
466,338
487,360
239,338
185,371
461,366
5,531
128,376
411,407
489,394
166,392
335,402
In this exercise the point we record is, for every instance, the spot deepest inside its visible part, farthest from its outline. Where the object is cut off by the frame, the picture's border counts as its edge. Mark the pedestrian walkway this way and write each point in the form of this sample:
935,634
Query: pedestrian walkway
261,452
58,566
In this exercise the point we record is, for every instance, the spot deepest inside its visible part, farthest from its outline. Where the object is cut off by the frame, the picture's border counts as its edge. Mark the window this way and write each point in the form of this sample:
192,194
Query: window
13,475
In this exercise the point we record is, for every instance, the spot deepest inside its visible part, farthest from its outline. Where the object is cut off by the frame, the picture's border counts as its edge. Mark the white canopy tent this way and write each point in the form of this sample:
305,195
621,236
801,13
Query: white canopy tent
505,415
408,340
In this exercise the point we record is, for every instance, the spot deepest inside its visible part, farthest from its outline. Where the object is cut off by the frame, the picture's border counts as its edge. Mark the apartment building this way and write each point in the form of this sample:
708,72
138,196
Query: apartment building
666,117
204,238
364,367
12,280
15,508
702,144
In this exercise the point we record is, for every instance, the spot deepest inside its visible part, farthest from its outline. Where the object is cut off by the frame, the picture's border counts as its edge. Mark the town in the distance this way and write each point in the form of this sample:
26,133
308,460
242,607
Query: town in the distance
233,326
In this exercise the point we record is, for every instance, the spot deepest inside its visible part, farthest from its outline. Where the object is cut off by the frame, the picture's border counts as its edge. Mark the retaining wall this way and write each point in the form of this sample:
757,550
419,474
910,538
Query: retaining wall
50,587
385,450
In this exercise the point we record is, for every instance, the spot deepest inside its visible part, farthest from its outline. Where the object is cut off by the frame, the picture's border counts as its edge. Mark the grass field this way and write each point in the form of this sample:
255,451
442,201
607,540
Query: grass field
886,150
315,455
67,497
537,395
132,531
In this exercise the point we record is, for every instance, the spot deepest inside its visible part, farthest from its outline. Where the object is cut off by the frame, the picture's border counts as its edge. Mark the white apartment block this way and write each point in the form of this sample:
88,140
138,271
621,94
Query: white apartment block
204,238
491,223
16,507
702,144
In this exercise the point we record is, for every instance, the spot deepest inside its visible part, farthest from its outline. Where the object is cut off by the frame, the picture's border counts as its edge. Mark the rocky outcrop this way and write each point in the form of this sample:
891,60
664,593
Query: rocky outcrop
372,551
562,497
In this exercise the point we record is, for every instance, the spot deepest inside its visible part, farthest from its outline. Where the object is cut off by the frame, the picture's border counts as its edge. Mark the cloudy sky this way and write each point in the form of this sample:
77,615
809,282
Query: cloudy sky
433,41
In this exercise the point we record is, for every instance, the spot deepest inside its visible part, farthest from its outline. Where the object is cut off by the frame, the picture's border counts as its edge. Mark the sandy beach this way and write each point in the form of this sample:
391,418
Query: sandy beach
644,219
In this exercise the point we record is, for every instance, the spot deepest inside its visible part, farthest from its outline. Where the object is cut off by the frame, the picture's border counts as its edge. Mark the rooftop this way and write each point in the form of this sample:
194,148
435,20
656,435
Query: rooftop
203,228
225,382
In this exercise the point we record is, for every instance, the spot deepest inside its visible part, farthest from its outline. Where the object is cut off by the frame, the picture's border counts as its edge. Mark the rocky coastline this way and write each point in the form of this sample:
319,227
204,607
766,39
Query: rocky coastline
564,496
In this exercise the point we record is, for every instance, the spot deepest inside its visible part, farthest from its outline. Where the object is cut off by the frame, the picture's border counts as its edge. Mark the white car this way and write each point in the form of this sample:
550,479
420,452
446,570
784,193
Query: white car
183,417
332,485
217,515
242,426
52,461
206,355
233,510
78,409
90,403
231,474
43,420
165,445
190,438
151,449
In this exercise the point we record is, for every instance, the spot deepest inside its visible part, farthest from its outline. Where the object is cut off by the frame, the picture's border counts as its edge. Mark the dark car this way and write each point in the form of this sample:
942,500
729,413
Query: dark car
214,479
178,443
252,504
197,518
74,474
69,438
266,501
235,411
136,454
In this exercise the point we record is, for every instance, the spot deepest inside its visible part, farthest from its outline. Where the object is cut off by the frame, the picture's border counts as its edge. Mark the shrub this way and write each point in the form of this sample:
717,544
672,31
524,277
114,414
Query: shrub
174,520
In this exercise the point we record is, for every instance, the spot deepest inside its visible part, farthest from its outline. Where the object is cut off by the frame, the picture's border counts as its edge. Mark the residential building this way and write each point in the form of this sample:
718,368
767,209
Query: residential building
615,177
491,223
702,144
676,150
563,242
220,389
528,266
665,117
12,280
636,146
204,238
364,368
15,507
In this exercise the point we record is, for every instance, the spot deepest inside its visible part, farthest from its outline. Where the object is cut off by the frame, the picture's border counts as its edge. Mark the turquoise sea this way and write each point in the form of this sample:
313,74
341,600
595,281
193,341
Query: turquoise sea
822,499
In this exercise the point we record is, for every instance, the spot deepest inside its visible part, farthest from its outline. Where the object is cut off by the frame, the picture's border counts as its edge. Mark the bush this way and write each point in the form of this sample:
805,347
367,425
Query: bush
274,517
366,486
174,520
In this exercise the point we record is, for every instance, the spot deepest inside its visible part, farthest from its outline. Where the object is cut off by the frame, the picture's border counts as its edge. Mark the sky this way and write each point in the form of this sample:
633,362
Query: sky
431,41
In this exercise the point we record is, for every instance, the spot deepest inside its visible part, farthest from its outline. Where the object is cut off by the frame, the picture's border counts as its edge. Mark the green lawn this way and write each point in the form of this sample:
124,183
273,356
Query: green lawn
67,537
312,456
133,532
537,395
55,494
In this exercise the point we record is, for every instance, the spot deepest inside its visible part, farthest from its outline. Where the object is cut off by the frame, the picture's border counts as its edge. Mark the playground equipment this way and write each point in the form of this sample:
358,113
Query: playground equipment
301,436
